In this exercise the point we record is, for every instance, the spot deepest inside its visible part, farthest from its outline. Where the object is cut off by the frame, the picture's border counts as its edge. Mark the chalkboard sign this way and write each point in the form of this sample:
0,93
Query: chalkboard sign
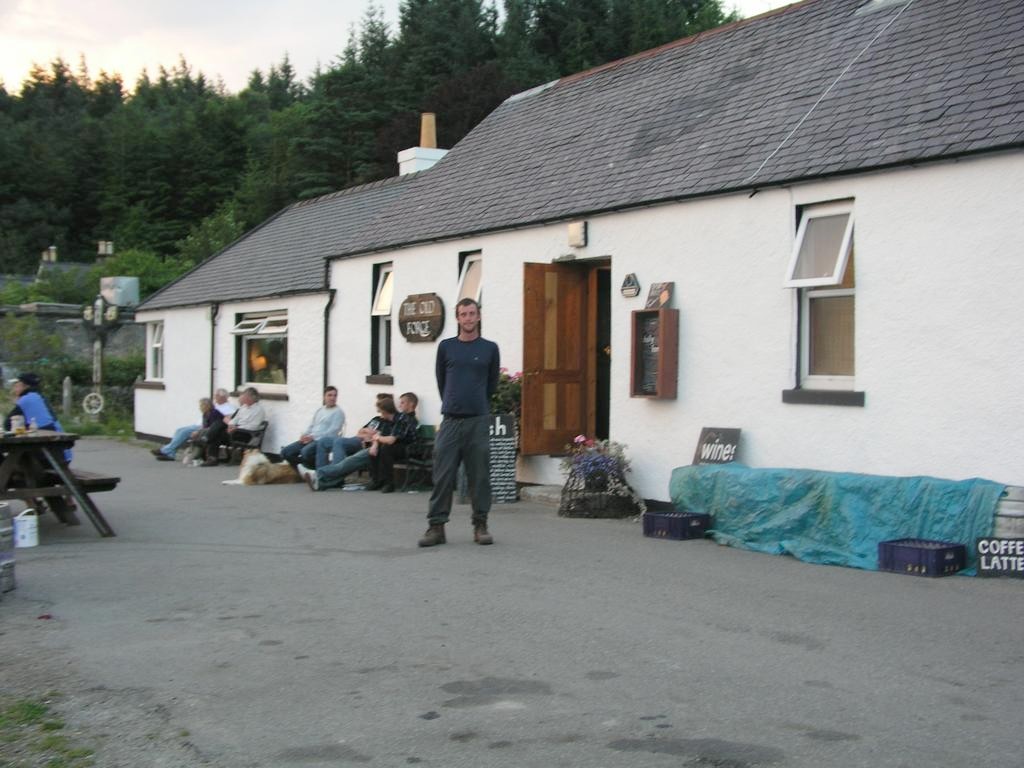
503,459
1001,557
717,446
421,317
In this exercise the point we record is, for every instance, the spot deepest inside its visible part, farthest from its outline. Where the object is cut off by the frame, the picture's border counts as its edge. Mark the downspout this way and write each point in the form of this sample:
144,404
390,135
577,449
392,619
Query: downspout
327,319
214,312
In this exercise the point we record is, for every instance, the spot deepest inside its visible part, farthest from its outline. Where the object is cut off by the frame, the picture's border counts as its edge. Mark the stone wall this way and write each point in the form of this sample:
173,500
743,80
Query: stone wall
65,320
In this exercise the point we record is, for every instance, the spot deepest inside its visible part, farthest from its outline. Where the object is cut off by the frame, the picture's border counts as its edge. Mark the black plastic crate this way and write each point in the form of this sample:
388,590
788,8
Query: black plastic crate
676,525
921,557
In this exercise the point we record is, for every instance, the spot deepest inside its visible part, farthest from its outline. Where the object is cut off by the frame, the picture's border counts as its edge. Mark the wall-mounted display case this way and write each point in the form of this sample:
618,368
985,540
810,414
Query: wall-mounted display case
654,367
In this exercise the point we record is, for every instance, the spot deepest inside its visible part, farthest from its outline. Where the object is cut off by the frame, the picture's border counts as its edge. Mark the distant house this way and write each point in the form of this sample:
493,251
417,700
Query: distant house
834,190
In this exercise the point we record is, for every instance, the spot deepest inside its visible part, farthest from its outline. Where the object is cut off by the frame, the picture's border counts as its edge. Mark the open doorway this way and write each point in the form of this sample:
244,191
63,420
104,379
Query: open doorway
566,354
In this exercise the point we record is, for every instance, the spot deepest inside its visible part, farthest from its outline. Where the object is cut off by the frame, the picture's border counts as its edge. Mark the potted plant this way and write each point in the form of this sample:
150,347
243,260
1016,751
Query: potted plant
509,395
596,484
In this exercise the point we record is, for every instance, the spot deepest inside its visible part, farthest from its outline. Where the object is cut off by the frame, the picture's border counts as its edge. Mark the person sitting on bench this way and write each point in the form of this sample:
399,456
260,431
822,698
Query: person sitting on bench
30,404
249,416
208,415
333,475
333,448
327,422
385,449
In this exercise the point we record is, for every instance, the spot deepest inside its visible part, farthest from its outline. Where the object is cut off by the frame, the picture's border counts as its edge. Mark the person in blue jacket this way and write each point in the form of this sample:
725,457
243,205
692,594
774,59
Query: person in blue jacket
31,404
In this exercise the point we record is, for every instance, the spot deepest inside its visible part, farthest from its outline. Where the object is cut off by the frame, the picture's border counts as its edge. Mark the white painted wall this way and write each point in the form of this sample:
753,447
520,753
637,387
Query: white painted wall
186,372
939,323
187,367
939,326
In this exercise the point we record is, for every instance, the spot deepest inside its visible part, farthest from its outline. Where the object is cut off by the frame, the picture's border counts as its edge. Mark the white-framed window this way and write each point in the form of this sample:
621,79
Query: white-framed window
380,319
155,351
821,269
471,272
262,349
824,241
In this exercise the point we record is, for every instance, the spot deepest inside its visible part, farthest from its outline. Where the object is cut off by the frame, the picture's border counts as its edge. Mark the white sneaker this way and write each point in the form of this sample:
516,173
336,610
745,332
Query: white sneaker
309,475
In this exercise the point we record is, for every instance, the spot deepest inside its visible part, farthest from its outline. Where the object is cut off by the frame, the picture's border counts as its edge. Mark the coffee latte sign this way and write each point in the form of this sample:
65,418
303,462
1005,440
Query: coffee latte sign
421,317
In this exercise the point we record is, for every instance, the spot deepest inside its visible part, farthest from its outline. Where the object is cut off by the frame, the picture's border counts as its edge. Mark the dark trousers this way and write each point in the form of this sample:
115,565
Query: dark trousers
462,441
217,435
382,466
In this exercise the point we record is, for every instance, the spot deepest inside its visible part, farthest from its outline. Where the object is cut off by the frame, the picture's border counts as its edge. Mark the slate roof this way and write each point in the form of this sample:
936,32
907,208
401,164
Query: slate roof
816,89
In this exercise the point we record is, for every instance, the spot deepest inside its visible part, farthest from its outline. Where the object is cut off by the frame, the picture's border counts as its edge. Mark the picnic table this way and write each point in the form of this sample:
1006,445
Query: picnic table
32,467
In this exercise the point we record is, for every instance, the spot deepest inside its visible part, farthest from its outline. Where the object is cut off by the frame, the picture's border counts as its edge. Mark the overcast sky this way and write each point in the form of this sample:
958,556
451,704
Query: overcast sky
221,38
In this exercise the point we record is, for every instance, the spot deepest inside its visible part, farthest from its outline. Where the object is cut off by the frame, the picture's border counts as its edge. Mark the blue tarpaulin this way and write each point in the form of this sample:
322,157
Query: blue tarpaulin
835,518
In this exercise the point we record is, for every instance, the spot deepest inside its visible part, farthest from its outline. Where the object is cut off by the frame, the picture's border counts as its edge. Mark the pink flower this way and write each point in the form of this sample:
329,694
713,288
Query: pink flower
579,439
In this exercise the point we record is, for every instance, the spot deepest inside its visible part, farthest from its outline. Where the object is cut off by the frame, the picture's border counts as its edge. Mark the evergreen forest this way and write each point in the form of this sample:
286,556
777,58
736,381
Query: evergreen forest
174,167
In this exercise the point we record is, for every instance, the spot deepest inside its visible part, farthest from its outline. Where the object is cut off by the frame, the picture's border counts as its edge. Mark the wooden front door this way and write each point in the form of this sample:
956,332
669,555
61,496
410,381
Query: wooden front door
556,382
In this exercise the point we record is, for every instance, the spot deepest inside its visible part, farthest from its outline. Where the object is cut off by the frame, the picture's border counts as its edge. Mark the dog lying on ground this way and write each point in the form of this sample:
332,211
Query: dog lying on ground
257,469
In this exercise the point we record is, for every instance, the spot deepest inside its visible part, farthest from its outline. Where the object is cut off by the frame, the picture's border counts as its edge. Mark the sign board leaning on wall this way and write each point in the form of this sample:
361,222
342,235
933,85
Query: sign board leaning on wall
421,317
717,446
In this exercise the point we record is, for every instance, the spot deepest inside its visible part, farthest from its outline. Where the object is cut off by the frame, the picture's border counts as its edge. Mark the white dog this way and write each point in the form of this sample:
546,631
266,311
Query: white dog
257,469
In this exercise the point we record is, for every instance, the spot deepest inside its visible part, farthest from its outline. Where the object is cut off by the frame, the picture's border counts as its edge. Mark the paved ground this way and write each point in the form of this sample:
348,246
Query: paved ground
270,626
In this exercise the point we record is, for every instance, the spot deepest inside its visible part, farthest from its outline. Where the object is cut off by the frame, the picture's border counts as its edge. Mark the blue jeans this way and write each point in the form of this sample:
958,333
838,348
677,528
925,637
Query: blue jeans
334,449
181,436
299,453
333,475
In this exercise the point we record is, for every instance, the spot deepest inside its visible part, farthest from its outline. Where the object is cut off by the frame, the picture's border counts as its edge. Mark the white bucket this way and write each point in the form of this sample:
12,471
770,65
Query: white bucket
26,529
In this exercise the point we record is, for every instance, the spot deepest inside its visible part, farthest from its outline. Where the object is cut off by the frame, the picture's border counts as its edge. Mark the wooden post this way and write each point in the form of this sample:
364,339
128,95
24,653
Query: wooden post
66,397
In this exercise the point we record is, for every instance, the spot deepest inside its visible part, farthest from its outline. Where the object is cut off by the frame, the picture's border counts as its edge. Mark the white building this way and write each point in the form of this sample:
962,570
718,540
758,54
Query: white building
881,142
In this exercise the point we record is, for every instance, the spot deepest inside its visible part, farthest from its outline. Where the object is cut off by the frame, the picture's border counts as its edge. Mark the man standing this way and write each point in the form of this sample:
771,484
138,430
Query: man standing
467,375
328,420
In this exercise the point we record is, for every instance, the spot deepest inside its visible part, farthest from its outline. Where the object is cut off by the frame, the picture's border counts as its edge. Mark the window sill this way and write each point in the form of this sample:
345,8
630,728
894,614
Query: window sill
265,395
823,397
380,378
159,385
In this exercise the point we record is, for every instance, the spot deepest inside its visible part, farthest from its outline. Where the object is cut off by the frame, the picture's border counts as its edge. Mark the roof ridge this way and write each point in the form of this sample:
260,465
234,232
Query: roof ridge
673,44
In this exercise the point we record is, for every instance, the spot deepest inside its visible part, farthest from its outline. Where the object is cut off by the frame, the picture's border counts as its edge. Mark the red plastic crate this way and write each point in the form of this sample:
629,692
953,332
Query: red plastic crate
676,525
921,557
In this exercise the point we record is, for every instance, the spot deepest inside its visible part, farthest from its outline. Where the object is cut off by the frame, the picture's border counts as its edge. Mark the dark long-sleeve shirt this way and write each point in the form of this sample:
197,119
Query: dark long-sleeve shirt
404,429
467,376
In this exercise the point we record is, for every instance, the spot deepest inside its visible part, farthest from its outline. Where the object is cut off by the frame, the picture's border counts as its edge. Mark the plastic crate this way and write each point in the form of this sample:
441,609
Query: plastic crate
921,557
676,525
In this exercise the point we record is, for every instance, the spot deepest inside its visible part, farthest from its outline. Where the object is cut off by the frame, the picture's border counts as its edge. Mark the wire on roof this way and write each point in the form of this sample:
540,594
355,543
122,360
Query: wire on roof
825,93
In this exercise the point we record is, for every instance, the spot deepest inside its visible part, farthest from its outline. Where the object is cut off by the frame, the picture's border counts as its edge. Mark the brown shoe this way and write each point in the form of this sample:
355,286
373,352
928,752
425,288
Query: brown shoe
433,536
480,534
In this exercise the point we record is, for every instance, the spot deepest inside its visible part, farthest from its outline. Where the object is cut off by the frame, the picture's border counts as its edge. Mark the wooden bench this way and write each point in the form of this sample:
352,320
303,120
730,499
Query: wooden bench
418,464
232,452
63,507
91,482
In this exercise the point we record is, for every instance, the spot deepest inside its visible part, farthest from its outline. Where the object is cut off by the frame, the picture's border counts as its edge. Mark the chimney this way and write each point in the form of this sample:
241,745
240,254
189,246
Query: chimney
426,154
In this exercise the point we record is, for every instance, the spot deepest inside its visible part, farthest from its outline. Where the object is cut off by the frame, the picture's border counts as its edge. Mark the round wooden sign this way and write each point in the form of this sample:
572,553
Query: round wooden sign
421,317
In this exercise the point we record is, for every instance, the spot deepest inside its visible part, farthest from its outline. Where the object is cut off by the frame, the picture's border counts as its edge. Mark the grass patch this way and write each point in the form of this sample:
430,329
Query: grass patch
113,425
23,713
30,734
